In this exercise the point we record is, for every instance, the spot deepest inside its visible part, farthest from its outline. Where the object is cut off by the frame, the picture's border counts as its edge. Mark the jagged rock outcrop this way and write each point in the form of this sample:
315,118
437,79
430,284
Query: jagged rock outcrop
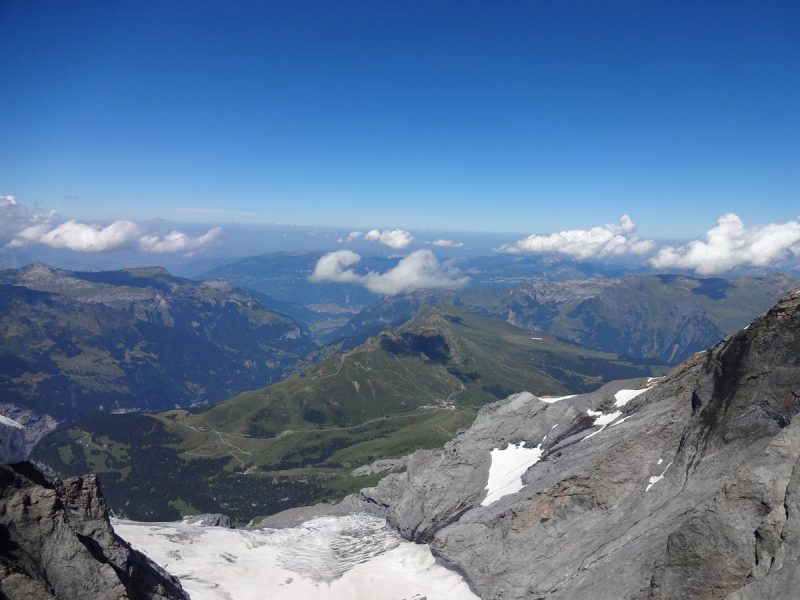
13,446
691,491
56,542
210,520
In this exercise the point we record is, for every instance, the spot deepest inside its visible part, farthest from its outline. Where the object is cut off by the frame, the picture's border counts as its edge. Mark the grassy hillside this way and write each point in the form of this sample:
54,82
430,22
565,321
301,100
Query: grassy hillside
408,388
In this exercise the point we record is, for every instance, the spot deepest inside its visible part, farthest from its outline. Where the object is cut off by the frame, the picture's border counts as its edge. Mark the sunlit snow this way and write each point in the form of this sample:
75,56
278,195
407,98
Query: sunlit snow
622,397
551,399
329,558
507,468
602,419
656,478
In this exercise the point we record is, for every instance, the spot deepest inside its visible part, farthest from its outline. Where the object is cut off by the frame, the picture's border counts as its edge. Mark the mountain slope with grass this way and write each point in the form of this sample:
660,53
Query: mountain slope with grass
299,440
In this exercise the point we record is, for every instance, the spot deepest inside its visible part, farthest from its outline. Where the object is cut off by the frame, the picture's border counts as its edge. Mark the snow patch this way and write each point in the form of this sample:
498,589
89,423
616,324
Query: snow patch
603,420
622,397
656,478
552,399
507,468
328,558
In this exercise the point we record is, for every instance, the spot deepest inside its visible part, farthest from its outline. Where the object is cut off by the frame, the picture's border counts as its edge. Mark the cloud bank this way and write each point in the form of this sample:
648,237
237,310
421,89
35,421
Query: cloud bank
447,244
600,242
19,227
394,238
418,270
730,244
177,241
353,235
80,237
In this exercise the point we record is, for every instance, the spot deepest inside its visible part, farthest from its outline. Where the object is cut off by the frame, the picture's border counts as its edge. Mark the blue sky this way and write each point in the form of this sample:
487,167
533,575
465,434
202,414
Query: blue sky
493,116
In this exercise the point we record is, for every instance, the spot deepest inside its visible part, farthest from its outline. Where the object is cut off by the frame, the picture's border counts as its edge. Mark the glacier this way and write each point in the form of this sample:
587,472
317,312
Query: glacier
349,557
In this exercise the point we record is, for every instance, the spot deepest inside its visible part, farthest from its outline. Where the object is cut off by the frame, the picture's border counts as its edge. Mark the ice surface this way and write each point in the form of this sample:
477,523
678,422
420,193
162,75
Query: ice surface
507,468
356,557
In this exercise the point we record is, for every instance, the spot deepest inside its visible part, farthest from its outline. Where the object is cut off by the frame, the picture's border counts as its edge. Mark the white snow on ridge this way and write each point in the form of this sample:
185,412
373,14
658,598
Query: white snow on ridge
507,468
656,478
607,418
356,557
552,399
522,398
622,397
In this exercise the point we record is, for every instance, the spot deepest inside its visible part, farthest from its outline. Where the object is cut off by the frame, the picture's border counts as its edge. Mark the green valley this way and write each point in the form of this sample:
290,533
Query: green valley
299,440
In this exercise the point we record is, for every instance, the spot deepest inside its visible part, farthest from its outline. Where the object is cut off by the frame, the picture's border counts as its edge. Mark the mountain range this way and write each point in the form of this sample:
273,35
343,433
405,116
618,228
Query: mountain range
73,343
301,439
663,318
680,486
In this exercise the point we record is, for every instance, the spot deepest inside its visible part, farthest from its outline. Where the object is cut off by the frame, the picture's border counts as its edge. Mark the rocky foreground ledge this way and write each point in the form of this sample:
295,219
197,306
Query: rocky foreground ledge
56,542
688,489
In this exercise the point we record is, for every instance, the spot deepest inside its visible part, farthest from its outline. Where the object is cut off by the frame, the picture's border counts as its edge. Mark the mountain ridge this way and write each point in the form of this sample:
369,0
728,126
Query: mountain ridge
688,489
416,386
135,339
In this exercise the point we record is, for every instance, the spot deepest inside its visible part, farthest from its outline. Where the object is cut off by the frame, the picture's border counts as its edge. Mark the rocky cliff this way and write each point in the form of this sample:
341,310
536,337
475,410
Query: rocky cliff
684,487
56,543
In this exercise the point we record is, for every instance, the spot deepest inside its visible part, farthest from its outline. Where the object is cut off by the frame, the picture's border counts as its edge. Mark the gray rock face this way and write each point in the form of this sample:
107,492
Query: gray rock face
13,447
36,425
380,466
210,520
691,491
56,543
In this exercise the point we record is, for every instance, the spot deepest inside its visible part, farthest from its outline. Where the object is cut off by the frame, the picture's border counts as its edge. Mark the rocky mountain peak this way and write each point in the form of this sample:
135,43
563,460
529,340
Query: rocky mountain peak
57,543
683,487
13,446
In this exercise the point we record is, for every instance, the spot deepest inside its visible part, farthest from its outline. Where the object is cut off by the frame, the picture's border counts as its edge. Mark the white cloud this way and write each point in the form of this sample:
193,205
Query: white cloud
730,244
20,227
447,244
601,241
177,241
353,235
394,238
15,217
81,237
418,270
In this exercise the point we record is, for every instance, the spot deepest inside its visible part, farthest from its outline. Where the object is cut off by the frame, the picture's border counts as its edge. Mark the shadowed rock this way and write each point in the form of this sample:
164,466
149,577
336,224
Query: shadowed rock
56,543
